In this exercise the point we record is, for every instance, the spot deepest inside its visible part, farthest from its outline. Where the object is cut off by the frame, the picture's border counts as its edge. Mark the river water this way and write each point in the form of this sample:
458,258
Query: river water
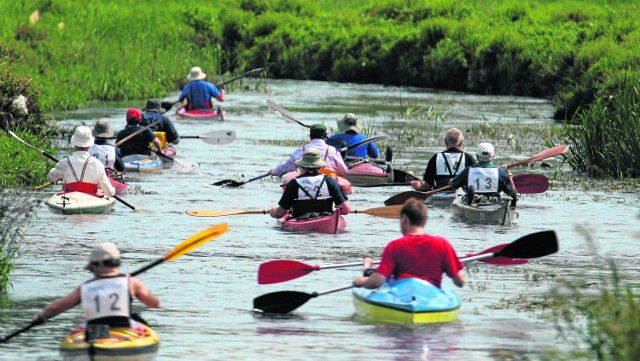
207,295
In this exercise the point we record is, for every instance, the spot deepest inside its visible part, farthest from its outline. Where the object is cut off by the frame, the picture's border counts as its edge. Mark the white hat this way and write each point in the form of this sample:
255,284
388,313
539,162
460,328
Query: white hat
351,122
82,137
103,252
196,74
484,152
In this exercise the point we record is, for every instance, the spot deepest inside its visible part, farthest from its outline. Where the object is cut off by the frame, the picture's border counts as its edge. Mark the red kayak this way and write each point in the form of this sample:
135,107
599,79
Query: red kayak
332,224
117,181
365,173
342,182
202,114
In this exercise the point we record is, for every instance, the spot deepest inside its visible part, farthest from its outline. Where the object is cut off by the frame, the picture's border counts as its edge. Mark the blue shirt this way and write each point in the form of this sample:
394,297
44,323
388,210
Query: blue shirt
368,150
199,94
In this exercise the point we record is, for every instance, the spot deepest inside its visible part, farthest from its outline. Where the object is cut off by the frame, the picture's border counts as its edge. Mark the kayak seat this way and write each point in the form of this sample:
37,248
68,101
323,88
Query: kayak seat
313,215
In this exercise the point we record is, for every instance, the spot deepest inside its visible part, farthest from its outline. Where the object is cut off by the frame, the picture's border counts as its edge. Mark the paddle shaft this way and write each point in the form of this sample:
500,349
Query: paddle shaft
241,76
363,142
119,143
282,113
55,160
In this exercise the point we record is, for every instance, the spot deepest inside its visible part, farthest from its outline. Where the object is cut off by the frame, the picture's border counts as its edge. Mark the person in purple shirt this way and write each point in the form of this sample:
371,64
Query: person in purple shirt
198,92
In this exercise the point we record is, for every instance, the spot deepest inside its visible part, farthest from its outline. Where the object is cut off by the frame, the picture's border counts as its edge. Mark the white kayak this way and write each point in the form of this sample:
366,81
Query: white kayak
80,203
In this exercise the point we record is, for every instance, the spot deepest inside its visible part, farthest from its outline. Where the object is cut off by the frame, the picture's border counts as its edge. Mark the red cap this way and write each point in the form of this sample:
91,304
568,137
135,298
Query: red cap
134,114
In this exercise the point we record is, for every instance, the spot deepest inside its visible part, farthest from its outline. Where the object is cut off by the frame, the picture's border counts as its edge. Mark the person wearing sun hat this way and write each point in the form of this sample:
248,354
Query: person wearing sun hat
140,143
108,287
164,129
484,179
101,149
80,172
311,192
198,92
318,134
351,134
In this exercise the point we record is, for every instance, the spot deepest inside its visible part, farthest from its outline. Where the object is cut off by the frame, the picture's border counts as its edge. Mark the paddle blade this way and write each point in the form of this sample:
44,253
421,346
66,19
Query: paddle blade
533,245
184,164
196,241
388,155
213,213
282,113
402,176
503,261
400,198
531,183
282,270
392,212
280,302
227,183
219,137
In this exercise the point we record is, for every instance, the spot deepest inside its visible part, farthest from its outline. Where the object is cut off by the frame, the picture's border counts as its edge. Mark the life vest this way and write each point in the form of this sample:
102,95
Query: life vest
106,297
449,164
313,196
483,180
79,185
162,137
105,153
201,92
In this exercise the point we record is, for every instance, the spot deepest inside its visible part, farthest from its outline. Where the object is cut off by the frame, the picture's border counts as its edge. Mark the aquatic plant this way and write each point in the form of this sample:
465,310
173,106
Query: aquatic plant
15,211
22,165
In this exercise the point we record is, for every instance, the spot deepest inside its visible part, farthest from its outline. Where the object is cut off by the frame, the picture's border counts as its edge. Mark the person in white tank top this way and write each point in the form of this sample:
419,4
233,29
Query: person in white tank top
105,297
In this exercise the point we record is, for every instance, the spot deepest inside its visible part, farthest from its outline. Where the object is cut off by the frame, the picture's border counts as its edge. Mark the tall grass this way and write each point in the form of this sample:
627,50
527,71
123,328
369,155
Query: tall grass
15,211
606,138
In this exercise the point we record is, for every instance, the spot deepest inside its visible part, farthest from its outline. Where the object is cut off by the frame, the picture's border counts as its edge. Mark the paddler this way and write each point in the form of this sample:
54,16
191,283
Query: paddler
105,299
417,254
164,129
197,94
311,192
351,129
101,149
329,154
140,143
80,172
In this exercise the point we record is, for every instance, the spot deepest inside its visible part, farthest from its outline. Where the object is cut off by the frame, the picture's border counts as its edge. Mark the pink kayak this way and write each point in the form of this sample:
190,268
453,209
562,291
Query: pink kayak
366,173
342,182
332,224
117,181
202,114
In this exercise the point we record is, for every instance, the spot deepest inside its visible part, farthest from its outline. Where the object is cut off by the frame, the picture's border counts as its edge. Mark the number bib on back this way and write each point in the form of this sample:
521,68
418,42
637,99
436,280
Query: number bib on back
483,180
105,297
105,153
449,164
314,186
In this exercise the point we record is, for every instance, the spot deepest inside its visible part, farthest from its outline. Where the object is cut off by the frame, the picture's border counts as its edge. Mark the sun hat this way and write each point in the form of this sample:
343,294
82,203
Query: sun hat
154,104
103,252
484,152
196,74
311,159
317,130
351,122
133,116
82,137
102,129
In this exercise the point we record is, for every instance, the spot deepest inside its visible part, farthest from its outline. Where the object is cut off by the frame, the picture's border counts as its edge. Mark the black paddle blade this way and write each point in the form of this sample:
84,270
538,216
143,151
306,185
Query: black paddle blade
227,183
533,245
388,155
400,198
402,176
280,302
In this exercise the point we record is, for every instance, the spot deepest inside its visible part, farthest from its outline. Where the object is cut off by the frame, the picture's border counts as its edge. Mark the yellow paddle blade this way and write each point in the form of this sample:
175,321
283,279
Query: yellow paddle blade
196,240
392,212
206,213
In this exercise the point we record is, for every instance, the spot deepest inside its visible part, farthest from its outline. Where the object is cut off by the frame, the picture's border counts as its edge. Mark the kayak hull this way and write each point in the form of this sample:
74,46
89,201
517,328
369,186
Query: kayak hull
485,213
408,300
365,173
140,344
443,199
202,114
80,203
142,163
331,224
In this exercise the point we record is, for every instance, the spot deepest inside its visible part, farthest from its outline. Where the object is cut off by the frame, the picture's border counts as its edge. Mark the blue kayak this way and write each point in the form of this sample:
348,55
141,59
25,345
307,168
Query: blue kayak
408,300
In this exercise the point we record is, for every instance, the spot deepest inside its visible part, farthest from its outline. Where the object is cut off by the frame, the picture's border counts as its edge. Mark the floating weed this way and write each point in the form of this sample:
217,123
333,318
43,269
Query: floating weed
136,189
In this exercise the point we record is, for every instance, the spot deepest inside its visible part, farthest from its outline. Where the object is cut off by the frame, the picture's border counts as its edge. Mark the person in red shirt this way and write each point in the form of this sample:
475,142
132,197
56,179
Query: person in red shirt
416,254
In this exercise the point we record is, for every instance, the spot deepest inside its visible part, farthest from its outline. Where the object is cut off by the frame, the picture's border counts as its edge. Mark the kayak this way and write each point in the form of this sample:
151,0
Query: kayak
331,224
443,199
170,152
364,173
142,163
139,344
80,203
202,114
344,183
408,300
117,181
499,212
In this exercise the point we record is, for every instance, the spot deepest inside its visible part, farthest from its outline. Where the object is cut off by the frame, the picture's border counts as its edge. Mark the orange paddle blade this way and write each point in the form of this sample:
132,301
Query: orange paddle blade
196,240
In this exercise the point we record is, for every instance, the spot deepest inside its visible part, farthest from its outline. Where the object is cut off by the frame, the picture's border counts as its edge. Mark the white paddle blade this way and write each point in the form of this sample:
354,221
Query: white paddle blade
219,137
184,165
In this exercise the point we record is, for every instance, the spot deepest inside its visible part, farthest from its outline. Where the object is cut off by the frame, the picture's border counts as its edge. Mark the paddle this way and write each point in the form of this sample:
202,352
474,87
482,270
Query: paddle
233,183
119,143
362,142
385,212
55,160
186,165
217,137
284,270
282,113
168,104
551,152
531,246
183,248
402,176
531,183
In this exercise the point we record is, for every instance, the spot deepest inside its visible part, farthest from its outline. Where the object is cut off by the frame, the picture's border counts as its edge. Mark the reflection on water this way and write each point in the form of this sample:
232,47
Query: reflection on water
207,296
